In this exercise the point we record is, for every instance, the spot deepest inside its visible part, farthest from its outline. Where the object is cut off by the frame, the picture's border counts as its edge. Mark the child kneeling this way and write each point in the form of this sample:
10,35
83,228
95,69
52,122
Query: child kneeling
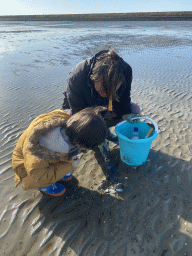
43,154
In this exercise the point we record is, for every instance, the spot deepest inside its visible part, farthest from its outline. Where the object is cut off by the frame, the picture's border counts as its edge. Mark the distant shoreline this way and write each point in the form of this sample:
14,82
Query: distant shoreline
140,16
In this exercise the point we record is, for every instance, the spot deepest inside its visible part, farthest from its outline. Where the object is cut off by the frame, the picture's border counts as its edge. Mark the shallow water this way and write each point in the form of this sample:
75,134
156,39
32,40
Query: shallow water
35,59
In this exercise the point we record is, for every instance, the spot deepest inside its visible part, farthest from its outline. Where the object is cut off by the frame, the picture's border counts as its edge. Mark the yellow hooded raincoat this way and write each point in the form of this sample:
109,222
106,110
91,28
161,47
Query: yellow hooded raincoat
34,165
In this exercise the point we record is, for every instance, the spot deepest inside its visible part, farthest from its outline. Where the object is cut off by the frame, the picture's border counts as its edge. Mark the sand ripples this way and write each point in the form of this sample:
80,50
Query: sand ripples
148,219
86,221
153,216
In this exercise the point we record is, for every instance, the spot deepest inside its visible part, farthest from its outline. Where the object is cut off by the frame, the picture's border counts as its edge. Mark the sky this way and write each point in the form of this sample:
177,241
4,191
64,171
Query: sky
31,7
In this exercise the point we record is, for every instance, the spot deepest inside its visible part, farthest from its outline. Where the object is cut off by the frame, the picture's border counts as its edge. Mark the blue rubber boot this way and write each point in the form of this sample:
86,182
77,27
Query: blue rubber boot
53,190
67,177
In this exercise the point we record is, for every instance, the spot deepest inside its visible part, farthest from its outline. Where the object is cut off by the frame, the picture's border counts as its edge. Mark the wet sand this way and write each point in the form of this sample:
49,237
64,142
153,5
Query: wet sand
153,216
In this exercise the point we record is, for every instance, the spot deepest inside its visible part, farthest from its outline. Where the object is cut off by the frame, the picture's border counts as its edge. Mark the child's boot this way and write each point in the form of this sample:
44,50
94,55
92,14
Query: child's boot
67,177
53,190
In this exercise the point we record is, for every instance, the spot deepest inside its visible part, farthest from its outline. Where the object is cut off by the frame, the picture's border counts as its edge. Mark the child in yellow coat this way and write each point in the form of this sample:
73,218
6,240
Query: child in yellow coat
43,154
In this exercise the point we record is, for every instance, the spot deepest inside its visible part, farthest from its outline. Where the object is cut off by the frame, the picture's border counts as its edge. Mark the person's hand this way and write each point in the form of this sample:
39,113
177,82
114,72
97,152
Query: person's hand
128,118
109,115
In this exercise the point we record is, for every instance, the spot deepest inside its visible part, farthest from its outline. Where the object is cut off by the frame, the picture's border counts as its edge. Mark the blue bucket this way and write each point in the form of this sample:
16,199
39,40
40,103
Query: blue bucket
135,152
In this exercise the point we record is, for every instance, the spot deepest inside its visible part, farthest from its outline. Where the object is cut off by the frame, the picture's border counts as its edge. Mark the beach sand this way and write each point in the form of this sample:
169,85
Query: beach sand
152,217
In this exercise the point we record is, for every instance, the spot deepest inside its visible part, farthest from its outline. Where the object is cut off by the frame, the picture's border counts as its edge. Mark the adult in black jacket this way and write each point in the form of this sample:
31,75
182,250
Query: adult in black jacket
102,80
96,80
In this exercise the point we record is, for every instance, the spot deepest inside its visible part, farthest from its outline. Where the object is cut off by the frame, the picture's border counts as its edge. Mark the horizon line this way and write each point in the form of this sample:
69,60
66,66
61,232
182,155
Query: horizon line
132,16
155,12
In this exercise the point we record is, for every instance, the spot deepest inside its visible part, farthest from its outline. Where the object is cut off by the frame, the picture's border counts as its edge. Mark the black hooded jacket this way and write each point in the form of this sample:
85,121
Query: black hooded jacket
81,92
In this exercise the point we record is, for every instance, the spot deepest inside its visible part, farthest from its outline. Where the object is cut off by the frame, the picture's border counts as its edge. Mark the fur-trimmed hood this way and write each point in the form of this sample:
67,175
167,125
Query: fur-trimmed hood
40,126
34,146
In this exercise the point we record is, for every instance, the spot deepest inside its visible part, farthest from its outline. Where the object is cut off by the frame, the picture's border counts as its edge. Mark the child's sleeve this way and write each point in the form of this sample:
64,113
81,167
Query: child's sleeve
45,173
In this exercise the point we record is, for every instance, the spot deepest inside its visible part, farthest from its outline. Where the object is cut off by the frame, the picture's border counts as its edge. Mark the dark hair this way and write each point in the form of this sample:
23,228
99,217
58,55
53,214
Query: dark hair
109,68
87,128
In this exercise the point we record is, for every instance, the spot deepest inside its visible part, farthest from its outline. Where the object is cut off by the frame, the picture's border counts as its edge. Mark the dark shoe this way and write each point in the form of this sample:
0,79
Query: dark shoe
112,174
112,137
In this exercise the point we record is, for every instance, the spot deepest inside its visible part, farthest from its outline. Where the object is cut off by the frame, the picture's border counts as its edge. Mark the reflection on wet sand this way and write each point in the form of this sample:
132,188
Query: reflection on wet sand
153,216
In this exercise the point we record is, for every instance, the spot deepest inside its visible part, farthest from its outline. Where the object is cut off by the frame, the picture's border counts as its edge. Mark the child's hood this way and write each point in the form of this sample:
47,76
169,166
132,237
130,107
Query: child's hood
56,140
40,126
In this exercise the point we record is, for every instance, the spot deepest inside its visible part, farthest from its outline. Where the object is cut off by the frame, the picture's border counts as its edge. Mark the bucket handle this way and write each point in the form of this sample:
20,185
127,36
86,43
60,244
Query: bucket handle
149,119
